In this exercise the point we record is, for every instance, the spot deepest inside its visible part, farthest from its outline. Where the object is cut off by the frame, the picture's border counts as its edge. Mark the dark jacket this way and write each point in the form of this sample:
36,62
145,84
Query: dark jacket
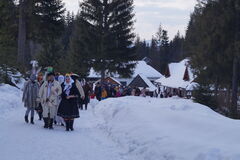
68,108
87,90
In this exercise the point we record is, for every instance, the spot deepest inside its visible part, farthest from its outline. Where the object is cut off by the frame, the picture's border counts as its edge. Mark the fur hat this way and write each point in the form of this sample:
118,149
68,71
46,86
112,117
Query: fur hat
50,74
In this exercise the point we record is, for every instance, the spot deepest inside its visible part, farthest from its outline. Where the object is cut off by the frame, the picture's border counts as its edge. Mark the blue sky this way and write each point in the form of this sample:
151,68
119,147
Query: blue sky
173,15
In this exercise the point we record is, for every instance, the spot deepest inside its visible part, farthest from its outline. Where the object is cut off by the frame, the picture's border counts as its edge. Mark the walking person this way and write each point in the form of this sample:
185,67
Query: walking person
118,92
30,95
68,108
104,93
78,85
80,99
39,109
48,94
98,91
87,90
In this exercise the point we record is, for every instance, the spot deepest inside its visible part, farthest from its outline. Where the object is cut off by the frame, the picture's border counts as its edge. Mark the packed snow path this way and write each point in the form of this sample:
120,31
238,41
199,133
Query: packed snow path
21,141
128,128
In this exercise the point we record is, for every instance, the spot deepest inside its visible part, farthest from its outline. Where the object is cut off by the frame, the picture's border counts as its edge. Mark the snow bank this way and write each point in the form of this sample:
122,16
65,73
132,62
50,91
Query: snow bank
10,99
169,129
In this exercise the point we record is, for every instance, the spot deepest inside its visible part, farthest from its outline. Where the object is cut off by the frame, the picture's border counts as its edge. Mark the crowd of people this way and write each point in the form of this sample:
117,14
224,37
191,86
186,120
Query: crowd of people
105,90
57,99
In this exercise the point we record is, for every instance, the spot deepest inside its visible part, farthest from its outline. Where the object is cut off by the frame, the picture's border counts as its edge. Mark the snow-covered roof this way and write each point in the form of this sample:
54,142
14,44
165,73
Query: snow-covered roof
151,87
177,71
98,81
141,68
146,70
192,86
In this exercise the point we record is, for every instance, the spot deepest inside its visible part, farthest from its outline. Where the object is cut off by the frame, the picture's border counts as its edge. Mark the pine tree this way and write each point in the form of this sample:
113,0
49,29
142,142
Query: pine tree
139,47
68,29
176,48
111,22
159,35
155,53
82,45
212,43
49,18
8,38
164,52
8,32
142,49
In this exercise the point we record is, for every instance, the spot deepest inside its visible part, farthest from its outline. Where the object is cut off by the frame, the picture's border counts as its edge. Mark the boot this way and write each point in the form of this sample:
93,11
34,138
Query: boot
67,125
40,116
32,120
86,107
26,119
81,106
71,125
45,122
50,124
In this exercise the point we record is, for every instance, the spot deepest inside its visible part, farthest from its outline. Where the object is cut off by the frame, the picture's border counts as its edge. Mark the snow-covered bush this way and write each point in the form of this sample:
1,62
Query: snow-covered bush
11,76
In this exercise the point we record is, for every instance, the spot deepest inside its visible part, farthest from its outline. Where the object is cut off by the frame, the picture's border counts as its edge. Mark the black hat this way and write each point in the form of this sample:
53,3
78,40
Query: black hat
50,74
74,76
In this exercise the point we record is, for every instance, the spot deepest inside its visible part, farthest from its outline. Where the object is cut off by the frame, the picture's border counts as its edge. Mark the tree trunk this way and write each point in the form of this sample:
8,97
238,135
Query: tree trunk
228,102
235,81
22,34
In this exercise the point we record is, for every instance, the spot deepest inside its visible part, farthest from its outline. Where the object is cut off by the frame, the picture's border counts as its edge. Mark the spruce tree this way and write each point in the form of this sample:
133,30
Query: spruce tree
212,43
164,52
8,32
8,38
111,24
176,48
68,30
81,46
49,18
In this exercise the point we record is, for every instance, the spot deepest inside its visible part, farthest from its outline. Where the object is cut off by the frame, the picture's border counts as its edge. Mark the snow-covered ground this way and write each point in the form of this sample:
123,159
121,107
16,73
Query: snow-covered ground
10,99
169,129
128,128
20,141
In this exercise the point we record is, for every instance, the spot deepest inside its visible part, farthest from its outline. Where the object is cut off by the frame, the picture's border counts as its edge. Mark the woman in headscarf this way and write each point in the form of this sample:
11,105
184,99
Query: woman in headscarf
68,108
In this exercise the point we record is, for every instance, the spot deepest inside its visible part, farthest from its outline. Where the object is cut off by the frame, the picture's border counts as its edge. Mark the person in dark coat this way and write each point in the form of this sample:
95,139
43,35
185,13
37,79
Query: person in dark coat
87,90
81,98
68,108
98,92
